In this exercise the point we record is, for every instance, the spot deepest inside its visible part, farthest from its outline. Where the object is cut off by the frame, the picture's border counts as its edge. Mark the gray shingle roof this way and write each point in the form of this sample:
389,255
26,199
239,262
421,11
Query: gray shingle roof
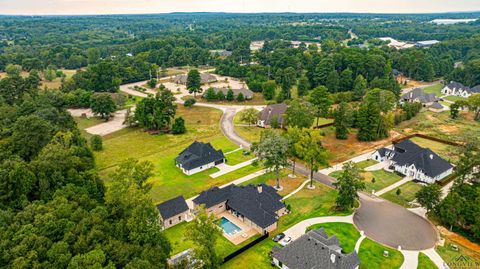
436,105
315,250
475,89
420,95
273,110
172,207
198,154
204,77
424,159
259,207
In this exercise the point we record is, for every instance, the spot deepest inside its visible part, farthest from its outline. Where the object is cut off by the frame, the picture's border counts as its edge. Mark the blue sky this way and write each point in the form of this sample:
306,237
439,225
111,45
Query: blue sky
42,7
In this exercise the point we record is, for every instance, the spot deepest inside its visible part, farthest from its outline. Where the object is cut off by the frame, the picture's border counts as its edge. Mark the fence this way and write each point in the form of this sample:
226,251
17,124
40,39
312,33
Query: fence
451,143
244,248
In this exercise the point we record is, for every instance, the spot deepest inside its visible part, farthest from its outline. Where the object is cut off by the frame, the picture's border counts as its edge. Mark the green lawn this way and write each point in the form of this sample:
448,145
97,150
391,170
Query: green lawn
424,262
371,256
168,181
436,89
346,233
288,184
448,254
366,163
382,179
445,151
454,98
84,123
237,157
407,194
304,205
176,236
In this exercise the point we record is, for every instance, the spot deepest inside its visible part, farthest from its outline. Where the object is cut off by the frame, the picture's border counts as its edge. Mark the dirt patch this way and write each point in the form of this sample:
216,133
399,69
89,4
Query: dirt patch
451,129
459,239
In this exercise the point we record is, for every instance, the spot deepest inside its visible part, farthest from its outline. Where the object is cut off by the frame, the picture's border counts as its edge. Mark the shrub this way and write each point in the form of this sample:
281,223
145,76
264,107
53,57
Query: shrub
189,102
230,96
210,95
152,83
240,97
178,126
220,95
96,143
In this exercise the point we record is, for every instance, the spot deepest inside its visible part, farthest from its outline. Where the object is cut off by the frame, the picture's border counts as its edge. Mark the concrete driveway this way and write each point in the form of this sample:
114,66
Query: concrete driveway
393,225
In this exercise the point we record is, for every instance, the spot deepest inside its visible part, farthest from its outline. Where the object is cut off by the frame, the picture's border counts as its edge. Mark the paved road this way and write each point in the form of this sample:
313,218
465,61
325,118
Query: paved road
393,225
381,220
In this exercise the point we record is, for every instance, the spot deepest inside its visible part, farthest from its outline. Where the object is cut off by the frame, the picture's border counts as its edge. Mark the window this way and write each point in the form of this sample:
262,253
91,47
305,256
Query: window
170,221
179,217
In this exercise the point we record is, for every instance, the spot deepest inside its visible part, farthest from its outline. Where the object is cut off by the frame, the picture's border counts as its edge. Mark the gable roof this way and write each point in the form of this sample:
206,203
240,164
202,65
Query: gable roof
424,159
458,86
475,89
436,105
317,251
420,95
258,206
172,207
198,154
273,110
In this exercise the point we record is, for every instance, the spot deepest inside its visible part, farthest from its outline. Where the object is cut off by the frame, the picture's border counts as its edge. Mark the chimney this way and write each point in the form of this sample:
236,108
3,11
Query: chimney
259,188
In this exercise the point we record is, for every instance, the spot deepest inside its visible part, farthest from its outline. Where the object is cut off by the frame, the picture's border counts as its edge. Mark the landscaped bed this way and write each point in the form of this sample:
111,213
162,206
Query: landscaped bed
371,256
346,233
407,194
169,181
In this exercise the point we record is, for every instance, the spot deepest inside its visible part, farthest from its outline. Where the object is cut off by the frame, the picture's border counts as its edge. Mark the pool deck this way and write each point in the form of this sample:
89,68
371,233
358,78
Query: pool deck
245,233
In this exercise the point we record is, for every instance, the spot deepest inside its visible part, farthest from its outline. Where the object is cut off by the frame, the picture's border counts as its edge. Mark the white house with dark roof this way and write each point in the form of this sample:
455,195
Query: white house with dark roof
173,212
419,96
256,206
314,250
458,89
409,159
199,157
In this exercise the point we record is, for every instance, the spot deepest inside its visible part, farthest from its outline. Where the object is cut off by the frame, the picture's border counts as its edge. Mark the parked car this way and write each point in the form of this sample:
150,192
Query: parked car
278,237
286,241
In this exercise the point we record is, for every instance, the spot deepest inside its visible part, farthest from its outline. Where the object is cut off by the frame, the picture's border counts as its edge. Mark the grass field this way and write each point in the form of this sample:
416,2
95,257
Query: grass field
304,205
168,181
371,256
448,254
445,151
346,233
83,123
364,164
424,262
407,194
54,84
237,157
436,89
454,98
382,179
176,236
441,125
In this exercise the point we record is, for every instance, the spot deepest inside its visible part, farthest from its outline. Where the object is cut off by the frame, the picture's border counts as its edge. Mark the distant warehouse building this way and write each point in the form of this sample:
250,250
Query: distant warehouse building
426,43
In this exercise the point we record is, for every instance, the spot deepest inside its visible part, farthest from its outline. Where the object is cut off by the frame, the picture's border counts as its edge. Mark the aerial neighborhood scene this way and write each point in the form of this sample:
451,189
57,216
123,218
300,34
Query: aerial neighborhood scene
240,134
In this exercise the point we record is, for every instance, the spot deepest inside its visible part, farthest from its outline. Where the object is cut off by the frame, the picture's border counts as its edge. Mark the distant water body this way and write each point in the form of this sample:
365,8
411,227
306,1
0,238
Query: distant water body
452,21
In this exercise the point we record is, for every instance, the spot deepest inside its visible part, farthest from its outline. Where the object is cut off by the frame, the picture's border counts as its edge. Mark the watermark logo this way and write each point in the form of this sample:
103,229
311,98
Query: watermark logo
463,262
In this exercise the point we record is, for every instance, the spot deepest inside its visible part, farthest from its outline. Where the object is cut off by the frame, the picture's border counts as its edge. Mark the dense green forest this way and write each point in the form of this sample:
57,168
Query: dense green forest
55,211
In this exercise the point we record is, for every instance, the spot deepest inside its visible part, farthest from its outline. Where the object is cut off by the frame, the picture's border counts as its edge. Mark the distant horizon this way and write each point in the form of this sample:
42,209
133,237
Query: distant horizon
154,7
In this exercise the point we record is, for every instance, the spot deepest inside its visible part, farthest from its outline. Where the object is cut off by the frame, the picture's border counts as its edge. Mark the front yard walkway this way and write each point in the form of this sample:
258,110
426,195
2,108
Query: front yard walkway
225,168
296,190
393,186
410,259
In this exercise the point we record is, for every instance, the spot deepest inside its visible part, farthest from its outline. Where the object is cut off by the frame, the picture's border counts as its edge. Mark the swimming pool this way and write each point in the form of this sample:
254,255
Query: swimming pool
228,227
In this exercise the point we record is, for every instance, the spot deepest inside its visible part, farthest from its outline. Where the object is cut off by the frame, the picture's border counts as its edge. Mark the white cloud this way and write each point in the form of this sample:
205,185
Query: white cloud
41,7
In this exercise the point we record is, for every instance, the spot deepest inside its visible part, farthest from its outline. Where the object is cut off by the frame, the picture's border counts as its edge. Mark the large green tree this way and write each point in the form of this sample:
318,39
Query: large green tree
299,114
156,113
272,152
343,120
102,104
309,148
320,99
194,82
348,184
